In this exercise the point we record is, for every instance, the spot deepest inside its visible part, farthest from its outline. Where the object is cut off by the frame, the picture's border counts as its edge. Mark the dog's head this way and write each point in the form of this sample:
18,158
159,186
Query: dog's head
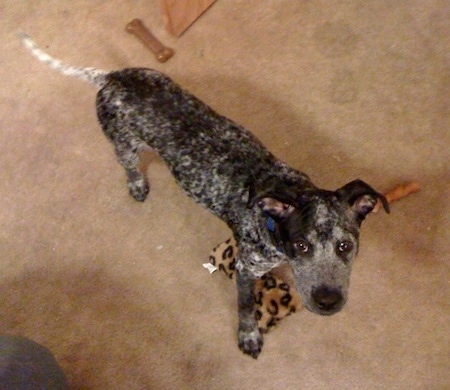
319,231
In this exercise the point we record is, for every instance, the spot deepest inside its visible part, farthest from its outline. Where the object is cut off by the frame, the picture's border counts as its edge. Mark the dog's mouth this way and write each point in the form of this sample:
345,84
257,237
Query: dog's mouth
323,312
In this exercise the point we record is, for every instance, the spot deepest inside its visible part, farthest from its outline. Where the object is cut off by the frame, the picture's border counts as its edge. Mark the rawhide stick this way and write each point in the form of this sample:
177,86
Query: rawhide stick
161,52
399,192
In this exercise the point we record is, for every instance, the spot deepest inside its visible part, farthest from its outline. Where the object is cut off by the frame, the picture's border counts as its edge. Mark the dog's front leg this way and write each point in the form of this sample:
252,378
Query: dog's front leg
250,340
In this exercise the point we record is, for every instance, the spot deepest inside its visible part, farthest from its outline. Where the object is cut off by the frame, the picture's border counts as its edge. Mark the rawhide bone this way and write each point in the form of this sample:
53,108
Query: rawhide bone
399,192
161,52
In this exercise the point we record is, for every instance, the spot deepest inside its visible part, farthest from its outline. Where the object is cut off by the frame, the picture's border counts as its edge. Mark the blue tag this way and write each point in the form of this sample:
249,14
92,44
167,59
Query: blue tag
270,224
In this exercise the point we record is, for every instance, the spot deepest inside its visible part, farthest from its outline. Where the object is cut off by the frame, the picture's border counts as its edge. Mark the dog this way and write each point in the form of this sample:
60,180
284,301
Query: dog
226,169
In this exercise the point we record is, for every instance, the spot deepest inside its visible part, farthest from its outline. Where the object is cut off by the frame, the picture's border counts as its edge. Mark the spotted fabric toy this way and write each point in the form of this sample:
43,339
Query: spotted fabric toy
275,298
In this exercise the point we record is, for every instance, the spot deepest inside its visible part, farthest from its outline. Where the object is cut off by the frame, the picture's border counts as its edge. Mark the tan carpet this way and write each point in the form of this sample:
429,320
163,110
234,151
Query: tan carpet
116,289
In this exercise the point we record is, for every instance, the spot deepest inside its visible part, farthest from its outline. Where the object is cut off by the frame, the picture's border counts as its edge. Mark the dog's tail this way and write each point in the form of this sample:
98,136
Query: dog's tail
93,76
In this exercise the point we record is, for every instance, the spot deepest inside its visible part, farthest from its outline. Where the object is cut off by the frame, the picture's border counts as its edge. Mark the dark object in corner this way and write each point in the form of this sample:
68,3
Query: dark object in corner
27,365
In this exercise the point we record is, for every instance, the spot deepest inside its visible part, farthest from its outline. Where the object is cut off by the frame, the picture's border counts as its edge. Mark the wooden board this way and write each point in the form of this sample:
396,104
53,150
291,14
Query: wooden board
180,14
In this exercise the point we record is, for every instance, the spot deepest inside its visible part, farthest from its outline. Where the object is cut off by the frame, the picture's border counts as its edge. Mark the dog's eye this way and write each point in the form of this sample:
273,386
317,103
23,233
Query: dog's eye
302,246
345,246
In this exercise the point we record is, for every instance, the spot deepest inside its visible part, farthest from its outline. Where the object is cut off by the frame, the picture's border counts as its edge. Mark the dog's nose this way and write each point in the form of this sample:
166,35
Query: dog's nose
327,298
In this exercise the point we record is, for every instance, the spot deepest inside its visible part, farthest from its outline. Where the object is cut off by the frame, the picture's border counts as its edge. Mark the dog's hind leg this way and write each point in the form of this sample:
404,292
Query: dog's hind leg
128,149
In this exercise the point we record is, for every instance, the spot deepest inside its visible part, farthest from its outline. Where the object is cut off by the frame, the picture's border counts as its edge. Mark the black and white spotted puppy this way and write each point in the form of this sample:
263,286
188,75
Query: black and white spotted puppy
224,168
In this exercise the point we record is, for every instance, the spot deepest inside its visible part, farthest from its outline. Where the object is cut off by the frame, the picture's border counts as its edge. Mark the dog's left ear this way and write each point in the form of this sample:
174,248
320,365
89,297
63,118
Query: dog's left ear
361,197
277,202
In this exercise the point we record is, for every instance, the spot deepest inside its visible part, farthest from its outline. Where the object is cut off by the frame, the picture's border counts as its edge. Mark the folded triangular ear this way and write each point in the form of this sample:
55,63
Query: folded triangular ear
277,202
361,198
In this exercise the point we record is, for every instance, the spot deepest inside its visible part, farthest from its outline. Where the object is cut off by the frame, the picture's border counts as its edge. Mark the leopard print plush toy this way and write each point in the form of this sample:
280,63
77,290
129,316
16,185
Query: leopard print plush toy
274,296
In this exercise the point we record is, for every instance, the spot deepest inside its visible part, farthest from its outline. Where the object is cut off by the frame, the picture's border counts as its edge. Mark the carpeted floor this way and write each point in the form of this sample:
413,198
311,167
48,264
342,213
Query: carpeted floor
116,289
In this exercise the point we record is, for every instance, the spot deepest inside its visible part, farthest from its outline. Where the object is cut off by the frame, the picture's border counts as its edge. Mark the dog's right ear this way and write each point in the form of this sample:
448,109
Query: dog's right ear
277,202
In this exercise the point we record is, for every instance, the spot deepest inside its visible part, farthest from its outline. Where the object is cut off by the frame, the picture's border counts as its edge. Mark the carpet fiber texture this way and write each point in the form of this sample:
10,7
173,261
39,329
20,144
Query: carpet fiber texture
116,289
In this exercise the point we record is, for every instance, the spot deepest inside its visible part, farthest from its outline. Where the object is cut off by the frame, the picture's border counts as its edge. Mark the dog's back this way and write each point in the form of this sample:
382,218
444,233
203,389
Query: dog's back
138,107
195,141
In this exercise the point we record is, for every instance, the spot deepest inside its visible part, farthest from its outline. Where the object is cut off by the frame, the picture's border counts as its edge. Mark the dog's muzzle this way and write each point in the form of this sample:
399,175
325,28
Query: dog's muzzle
327,300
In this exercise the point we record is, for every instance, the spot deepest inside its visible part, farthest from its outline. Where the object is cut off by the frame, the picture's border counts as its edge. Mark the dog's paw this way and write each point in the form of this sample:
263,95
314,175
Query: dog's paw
139,189
250,342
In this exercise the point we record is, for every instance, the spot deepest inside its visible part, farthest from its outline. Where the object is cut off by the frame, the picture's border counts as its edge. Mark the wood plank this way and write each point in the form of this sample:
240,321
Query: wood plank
180,14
